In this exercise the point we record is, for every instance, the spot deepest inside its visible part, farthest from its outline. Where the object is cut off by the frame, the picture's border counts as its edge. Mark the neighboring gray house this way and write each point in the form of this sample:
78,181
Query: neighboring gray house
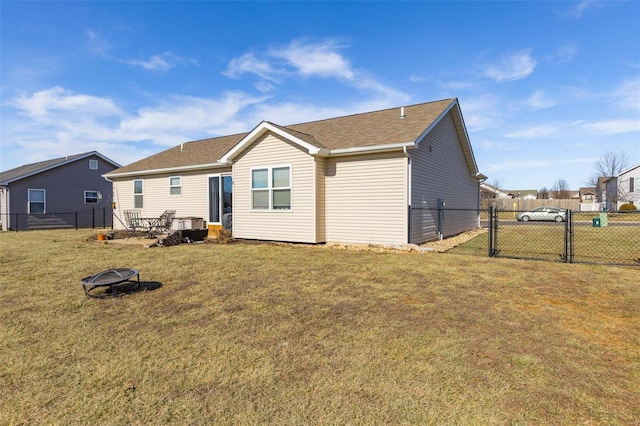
59,193
623,188
364,178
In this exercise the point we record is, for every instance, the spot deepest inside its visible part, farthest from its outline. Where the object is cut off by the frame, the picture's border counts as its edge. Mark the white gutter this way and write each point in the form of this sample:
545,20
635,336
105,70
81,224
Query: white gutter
376,148
165,170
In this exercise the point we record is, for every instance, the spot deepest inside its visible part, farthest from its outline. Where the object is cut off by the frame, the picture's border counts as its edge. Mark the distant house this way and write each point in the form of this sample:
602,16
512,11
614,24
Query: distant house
525,194
62,192
376,177
587,195
623,188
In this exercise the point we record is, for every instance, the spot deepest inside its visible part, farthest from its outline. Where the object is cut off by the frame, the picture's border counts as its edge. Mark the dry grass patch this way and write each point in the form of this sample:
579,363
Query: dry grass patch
294,334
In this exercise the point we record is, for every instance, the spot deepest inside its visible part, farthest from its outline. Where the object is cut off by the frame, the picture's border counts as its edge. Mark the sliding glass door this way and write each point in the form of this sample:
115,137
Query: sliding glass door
220,200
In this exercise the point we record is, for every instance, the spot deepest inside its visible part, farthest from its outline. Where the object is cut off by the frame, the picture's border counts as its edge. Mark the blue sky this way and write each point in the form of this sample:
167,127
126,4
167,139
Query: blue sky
546,88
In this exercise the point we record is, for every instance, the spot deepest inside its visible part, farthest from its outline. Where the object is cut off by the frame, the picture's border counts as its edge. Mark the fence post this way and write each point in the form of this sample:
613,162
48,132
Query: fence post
16,222
76,219
104,217
490,231
441,205
93,217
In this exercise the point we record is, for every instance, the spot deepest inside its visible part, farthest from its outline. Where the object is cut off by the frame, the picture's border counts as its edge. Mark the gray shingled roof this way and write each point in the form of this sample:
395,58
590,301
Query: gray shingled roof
353,131
41,166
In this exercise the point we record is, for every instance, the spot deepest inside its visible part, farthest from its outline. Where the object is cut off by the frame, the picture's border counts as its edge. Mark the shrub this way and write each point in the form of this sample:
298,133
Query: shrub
224,236
627,207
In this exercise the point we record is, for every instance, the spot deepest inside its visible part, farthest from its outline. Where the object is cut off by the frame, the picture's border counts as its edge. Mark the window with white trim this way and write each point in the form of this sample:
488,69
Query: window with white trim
37,201
271,188
91,197
138,194
93,164
175,185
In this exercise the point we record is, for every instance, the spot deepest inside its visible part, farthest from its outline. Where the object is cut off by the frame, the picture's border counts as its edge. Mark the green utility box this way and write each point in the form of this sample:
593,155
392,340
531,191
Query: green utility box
596,222
603,219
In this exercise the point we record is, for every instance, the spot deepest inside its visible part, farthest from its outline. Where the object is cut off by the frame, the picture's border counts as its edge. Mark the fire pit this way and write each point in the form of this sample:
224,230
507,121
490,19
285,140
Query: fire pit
110,278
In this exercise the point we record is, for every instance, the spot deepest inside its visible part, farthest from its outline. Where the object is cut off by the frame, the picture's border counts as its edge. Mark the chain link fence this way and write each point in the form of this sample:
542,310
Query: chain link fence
560,235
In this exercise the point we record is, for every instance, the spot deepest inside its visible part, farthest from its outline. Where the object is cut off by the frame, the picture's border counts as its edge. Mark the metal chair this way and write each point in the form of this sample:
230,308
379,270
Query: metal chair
133,221
166,221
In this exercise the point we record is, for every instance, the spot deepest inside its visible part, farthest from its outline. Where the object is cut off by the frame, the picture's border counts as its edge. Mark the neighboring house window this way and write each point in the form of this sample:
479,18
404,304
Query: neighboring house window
37,201
271,188
175,185
93,164
91,197
632,186
137,194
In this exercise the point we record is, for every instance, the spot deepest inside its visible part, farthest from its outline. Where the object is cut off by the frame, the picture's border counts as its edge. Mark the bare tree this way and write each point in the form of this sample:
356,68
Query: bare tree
497,183
543,193
610,164
560,190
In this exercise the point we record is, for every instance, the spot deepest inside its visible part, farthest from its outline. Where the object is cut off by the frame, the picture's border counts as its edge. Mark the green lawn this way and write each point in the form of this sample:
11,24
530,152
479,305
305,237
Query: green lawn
297,334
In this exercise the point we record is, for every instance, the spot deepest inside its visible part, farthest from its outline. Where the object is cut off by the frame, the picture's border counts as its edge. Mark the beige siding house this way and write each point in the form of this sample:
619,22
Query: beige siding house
372,178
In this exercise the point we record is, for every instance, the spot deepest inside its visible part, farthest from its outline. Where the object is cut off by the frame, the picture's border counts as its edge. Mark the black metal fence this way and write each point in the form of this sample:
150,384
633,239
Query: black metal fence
580,237
97,217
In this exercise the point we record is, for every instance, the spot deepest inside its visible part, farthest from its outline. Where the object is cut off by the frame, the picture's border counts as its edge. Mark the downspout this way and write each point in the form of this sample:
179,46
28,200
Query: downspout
6,211
406,153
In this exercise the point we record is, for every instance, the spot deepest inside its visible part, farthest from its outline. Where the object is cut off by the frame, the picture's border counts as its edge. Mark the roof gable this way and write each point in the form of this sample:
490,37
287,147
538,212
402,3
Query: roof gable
307,142
32,169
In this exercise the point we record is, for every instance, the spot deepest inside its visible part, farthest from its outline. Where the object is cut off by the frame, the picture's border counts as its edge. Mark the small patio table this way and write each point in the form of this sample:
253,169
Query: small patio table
110,278
149,224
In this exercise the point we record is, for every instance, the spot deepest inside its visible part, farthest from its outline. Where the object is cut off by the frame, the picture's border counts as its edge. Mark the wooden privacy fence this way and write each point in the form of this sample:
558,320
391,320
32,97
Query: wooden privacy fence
519,204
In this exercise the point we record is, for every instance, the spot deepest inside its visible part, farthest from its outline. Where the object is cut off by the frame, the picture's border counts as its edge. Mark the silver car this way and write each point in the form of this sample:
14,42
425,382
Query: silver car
544,213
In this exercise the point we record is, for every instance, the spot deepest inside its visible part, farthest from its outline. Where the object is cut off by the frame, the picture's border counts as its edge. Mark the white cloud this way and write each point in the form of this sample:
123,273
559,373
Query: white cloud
627,95
574,10
534,132
52,102
320,59
307,59
513,67
248,63
614,127
527,164
54,122
538,100
161,62
565,53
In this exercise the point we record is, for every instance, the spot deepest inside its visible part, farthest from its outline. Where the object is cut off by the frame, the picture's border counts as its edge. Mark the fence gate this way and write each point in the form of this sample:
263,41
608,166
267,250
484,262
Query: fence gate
541,240
606,238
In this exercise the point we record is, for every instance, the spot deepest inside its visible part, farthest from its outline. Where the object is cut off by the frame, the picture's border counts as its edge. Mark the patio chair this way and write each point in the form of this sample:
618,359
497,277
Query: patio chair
133,221
166,221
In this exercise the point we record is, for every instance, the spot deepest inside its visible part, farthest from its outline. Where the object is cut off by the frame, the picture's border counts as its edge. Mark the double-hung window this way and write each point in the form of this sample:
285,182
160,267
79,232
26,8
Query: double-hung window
37,201
137,194
632,186
175,185
271,188
91,197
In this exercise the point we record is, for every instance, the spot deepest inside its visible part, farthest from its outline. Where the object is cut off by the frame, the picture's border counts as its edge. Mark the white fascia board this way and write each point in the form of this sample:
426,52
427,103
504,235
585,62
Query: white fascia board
627,170
109,176
260,130
376,148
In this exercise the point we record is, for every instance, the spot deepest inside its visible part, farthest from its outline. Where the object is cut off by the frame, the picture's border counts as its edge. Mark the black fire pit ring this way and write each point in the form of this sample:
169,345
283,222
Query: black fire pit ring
110,278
